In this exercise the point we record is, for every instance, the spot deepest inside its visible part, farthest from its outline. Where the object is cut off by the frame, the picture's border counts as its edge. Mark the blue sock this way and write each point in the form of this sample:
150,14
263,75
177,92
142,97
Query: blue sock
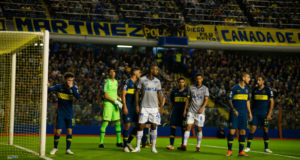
172,136
132,135
182,135
125,137
229,141
266,139
68,141
250,138
56,140
242,142
145,136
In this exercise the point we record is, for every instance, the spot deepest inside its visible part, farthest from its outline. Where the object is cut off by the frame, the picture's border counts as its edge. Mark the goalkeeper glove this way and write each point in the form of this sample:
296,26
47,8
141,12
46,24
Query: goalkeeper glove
119,104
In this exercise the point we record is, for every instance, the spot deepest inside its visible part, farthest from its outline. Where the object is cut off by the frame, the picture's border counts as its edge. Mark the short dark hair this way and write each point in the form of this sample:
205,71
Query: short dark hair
68,75
153,64
179,79
243,74
198,74
134,69
262,77
111,69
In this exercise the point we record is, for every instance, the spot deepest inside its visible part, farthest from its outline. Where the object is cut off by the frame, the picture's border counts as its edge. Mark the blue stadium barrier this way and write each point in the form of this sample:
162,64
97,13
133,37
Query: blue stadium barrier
164,131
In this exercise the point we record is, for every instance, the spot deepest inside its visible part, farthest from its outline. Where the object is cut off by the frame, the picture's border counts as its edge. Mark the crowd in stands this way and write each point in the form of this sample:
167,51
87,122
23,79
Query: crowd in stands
213,12
266,13
22,8
220,70
88,10
278,14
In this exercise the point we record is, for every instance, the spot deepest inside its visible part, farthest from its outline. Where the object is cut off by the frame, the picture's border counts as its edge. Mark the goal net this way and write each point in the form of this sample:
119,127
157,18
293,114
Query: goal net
23,94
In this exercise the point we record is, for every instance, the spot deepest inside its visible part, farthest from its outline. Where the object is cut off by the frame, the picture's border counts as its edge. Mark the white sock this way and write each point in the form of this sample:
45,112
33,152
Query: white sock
199,138
186,137
153,136
139,138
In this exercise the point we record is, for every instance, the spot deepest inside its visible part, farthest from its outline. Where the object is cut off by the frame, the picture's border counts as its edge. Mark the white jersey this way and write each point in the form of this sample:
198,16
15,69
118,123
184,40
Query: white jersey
197,97
149,89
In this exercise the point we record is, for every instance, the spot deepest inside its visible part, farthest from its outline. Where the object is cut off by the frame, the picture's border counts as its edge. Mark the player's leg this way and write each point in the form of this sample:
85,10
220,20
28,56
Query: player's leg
253,126
116,118
200,123
68,141
233,124
145,135
250,137
153,136
139,136
190,121
56,140
242,142
133,131
172,130
143,118
172,137
242,128
107,116
70,122
125,135
154,119
59,124
266,136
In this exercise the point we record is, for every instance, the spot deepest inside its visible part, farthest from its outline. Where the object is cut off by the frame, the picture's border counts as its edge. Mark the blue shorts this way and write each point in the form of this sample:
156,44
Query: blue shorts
259,120
177,118
238,122
131,118
62,121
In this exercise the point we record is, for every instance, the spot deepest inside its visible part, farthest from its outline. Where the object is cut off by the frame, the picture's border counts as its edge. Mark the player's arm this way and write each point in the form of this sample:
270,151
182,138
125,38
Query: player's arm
137,99
161,102
75,91
271,106
52,88
231,107
124,92
187,101
249,110
270,109
171,101
205,101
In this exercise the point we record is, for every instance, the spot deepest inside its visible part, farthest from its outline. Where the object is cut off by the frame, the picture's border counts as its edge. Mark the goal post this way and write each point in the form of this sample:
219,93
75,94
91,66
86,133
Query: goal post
23,94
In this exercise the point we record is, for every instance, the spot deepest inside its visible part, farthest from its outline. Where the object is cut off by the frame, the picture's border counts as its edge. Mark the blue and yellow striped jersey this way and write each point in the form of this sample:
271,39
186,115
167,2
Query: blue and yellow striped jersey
261,100
239,97
178,98
130,88
65,96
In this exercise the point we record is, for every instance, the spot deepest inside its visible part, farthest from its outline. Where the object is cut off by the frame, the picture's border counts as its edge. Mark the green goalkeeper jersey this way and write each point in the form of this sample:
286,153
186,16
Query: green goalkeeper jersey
111,87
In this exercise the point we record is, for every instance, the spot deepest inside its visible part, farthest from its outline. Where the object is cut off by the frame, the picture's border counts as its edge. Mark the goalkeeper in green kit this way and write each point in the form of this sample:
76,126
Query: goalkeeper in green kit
111,108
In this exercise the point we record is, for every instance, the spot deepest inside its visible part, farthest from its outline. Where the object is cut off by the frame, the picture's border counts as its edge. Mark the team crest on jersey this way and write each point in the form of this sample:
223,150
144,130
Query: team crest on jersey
246,91
238,91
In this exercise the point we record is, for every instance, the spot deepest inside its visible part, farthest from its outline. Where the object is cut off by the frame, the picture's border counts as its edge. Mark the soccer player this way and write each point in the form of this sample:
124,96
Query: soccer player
239,100
150,107
263,104
177,104
194,110
66,93
112,104
130,116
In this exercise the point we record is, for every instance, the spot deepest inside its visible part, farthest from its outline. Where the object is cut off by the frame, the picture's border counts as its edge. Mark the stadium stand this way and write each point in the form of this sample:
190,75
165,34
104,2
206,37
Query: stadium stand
278,14
22,8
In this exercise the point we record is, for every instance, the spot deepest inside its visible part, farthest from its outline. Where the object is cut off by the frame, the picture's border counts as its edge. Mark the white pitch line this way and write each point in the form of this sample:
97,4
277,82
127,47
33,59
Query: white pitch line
274,154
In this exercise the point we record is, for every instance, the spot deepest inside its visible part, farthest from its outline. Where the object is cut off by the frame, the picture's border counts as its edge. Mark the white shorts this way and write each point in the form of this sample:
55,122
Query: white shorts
198,119
149,114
